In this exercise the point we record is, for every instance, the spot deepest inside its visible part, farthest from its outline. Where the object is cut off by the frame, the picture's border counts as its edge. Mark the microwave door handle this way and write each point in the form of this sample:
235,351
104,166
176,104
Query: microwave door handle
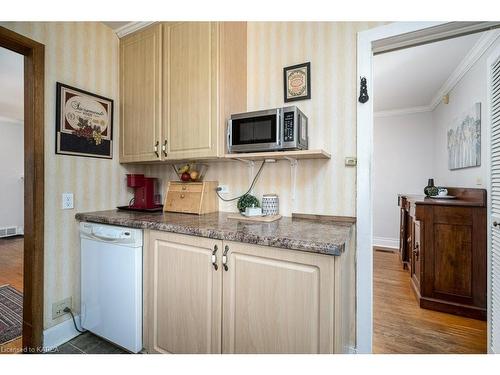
279,126
229,134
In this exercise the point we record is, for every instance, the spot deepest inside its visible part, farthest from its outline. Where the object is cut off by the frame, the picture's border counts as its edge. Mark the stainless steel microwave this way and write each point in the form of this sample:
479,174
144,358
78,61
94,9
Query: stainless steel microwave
275,129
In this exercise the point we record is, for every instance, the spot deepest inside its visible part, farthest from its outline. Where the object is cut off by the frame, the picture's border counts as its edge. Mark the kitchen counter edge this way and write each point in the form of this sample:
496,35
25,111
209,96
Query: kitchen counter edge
342,231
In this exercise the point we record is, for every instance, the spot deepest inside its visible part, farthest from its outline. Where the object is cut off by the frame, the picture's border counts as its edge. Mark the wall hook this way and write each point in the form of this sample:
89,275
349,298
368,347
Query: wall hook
363,91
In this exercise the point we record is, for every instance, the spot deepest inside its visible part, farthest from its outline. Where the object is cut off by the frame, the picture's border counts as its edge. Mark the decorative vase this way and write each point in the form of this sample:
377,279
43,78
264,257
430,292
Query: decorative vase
270,204
430,190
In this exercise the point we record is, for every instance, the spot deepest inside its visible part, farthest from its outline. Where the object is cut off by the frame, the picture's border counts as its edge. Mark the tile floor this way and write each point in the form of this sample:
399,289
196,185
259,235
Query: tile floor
88,343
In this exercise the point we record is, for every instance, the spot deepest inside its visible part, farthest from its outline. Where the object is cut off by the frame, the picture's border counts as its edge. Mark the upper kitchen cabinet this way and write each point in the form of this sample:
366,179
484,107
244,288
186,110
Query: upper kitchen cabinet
140,95
202,70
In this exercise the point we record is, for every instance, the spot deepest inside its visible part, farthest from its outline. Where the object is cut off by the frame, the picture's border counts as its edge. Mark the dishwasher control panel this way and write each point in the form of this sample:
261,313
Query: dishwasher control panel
110,233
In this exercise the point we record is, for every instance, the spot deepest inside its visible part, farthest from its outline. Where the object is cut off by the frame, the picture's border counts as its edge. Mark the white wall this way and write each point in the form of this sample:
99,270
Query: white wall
403,162
11,171
471,89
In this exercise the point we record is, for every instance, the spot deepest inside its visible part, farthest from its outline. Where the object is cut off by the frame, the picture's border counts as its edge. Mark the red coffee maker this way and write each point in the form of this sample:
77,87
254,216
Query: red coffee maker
144,193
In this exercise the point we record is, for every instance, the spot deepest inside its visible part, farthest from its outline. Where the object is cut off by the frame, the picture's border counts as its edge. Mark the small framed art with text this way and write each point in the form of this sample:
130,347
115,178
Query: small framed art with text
297,82
84,123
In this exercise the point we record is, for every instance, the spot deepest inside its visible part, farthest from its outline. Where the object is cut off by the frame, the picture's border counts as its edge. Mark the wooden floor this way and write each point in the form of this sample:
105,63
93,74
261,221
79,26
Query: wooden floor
401,326
11,272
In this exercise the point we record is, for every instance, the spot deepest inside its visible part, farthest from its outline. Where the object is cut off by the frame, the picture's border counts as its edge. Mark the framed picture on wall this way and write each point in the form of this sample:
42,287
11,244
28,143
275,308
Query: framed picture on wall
297,82
464,139
84,123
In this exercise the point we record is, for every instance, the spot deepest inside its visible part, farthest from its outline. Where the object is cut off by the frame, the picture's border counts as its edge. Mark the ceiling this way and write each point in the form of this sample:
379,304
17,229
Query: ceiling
412,77
12,82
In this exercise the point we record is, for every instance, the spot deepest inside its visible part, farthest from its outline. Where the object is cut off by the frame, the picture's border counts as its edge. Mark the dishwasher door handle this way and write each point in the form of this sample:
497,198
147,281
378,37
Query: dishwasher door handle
102,238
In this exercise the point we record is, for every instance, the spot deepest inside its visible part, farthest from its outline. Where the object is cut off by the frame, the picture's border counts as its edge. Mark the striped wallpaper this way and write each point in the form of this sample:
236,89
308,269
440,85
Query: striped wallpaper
85,55
323,186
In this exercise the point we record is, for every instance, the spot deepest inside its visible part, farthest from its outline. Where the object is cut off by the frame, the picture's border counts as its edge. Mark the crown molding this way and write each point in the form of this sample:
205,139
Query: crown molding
402,111
465,65
462,68
132,27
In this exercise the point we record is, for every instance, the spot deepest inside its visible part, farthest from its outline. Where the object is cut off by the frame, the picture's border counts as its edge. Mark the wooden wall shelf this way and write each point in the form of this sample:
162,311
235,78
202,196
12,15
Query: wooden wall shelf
280,155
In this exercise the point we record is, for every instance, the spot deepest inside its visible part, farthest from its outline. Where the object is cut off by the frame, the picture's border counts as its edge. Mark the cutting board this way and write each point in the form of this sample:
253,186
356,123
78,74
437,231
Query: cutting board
255,219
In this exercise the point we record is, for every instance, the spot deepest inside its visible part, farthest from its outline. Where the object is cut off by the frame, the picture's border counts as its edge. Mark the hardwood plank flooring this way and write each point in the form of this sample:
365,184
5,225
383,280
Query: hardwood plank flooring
11,272
401,326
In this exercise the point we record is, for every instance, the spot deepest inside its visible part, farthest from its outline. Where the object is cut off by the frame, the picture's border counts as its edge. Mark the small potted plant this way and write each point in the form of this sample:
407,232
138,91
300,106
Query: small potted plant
247,201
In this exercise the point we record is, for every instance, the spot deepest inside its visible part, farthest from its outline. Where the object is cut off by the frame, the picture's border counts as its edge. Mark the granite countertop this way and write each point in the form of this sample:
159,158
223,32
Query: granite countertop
316,236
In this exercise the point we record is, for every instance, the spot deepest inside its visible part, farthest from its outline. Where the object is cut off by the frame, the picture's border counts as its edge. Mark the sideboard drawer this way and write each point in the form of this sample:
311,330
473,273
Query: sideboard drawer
452,215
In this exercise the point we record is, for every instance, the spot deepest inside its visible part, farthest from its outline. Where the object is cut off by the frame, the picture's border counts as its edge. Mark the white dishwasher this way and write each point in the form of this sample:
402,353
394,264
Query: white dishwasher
111,283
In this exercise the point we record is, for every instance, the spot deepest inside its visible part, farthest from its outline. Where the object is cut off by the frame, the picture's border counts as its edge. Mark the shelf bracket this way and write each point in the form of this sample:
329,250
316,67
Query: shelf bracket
293,174
251,167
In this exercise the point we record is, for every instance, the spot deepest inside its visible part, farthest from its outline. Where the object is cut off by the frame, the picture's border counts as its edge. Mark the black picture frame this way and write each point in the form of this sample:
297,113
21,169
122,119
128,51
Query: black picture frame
79,141
299,68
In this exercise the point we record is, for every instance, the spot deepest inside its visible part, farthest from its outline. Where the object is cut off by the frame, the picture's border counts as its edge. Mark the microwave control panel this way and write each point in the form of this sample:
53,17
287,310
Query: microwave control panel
289,126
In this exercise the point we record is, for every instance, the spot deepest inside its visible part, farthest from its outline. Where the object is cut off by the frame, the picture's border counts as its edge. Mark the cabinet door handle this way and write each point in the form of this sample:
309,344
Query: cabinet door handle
214,257
416,251
495,224
224,258
156,149
182,196
164,148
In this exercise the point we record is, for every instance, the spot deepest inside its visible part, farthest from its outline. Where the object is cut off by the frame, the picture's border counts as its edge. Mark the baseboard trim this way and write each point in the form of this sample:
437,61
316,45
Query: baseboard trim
391,243
61,333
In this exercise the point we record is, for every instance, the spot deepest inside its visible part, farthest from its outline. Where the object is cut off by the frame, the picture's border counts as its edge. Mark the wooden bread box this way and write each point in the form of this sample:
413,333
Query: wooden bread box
191,197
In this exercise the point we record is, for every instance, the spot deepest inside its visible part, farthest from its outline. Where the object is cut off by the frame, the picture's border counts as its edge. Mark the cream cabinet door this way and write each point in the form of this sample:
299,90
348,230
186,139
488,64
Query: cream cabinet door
190,89
277,301
140,97
183,294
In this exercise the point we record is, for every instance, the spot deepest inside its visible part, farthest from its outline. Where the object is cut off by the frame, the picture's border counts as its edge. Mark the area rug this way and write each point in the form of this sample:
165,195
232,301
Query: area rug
11,314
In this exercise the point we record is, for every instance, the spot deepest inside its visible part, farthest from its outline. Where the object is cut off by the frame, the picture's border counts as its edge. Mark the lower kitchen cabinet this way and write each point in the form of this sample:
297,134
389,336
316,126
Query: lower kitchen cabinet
277,301
182,294
210,296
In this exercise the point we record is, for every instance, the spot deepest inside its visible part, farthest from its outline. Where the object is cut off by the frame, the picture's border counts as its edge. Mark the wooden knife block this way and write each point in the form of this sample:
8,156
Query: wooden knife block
191,197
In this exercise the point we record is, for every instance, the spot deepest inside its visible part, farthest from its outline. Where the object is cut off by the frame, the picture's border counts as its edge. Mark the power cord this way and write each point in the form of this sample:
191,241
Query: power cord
68,310
249,190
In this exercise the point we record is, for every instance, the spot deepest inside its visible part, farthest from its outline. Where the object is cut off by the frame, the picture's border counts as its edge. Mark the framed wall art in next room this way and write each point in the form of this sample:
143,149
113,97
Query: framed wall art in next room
297,82
84,123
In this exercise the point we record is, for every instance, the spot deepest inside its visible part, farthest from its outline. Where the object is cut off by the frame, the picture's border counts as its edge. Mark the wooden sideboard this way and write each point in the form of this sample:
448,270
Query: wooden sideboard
443,245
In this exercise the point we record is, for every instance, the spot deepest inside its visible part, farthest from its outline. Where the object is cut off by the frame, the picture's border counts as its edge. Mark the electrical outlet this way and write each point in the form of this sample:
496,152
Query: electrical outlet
58,307
223,189
67,201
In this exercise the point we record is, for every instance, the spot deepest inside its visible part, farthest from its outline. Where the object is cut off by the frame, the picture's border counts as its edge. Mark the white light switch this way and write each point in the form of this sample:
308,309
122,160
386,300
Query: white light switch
67,201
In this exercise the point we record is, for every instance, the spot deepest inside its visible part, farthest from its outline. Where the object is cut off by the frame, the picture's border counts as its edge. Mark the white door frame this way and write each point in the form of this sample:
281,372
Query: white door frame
364,202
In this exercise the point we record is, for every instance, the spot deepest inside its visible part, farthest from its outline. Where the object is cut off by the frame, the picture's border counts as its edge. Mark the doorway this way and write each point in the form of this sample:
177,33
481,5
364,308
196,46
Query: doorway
418,99
33,118
383,39
11,199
